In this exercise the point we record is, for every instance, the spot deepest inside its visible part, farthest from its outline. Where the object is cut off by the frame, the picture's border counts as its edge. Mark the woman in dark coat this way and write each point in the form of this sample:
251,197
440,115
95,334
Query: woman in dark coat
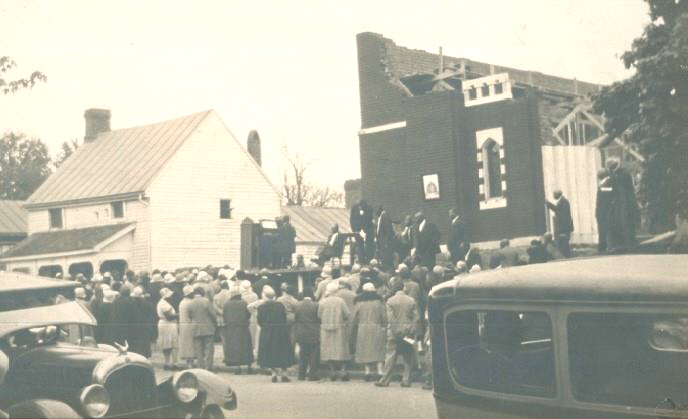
238,349
275,350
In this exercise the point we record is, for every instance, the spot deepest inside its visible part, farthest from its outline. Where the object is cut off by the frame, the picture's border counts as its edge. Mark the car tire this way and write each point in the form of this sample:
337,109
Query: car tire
213,412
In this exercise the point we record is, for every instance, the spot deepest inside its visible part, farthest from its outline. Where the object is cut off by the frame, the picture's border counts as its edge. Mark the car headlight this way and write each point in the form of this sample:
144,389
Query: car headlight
95,400
185,386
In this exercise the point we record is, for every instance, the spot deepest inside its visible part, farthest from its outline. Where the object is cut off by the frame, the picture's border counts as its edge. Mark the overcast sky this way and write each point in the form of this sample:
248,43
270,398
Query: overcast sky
285,68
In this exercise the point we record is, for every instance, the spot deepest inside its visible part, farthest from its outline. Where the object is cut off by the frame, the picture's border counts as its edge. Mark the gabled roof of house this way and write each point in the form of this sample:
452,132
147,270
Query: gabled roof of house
13,218
313,225
63,241
118,162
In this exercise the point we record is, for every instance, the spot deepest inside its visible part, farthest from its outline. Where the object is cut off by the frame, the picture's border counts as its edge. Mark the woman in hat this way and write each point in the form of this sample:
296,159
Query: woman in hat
275,350
167,328
334,337
370,325
186,344
236,339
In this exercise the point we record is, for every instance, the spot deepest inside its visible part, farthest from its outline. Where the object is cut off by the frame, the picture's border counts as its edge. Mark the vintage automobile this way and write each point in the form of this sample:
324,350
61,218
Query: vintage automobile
55,365
602,337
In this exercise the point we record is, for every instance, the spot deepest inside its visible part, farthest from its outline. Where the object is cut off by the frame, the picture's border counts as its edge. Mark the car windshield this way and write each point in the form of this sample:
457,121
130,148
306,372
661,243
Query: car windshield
68,312
23,339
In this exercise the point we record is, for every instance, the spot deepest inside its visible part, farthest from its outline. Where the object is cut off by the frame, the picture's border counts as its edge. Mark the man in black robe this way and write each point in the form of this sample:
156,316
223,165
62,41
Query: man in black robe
457,243
624,215
385,239
602,208
426,241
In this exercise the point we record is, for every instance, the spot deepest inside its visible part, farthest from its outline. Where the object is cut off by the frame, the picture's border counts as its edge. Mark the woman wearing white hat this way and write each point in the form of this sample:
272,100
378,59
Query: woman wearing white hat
167,328
334,337
186,344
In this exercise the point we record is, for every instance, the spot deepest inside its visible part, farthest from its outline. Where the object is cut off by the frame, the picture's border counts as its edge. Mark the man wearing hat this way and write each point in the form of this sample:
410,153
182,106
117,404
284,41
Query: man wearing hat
326,275
402,318
203,325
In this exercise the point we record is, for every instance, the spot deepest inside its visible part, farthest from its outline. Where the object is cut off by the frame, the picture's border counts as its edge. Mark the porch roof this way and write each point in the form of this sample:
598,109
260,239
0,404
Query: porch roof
67,241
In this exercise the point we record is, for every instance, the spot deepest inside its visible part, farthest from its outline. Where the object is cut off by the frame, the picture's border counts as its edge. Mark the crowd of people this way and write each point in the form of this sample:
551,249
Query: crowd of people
371,315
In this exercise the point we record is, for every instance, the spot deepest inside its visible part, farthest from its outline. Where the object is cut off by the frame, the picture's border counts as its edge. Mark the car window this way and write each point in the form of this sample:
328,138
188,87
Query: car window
629,359
75,334
503,351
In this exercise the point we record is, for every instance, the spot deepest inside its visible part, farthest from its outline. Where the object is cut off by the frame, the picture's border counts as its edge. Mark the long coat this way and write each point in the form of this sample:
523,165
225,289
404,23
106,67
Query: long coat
306,323
334,337
203,318
186,347
143,327
238,349
275,349
370,323
122,317
624,215
457,243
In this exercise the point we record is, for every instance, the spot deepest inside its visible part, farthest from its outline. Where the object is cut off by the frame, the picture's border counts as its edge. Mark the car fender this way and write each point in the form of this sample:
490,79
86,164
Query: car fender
41,408
213,390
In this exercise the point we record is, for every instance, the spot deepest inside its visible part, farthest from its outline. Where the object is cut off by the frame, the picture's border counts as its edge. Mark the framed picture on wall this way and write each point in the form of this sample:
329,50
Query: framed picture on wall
431,187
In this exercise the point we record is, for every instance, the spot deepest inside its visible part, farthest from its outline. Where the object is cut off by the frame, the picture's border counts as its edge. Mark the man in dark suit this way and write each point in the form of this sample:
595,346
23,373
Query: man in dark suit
426,241
563,222
457,243
334,248
385,239
361,220
602,208
287,235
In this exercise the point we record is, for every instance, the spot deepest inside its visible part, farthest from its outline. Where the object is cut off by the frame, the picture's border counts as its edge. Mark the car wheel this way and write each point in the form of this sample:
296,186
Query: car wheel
213,412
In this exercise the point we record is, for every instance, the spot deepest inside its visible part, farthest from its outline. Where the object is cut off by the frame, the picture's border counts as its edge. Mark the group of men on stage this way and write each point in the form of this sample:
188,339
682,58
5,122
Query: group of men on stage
375,236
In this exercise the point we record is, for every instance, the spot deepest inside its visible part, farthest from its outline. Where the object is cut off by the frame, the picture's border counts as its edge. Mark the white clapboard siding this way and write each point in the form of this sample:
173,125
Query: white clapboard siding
38,220
139,211
573,169
186,229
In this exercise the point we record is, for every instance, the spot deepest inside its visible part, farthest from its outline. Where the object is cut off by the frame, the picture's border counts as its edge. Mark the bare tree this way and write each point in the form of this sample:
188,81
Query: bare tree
297,189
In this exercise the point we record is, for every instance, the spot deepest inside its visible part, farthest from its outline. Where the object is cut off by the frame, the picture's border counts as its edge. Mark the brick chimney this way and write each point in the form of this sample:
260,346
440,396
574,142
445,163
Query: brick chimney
97,121
253,146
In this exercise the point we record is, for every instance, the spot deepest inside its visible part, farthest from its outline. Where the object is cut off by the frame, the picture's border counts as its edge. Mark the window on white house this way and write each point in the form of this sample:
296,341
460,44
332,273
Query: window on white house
492,169
55,217
472,93
225,209
485,90
117,209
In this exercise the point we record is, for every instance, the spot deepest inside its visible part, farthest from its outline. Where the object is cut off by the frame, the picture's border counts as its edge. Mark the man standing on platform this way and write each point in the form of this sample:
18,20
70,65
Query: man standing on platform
563,223
361,220
426,241
287,235
458,243
385,239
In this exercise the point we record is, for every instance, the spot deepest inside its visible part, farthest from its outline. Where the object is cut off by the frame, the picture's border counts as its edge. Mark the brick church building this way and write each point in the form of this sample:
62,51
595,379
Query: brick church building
441,132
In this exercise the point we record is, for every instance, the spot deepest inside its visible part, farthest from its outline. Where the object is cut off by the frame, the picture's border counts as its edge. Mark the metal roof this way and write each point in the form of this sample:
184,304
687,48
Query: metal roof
313,225
118,162
62,241
603,278
13,218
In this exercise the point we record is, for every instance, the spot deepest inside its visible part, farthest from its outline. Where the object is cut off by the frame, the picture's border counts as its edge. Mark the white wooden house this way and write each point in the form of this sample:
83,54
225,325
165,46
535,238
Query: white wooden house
165,195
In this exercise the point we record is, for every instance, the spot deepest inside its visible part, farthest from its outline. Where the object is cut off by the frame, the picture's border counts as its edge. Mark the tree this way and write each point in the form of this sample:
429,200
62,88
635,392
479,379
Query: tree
66,149
24,165
8,86
297,189
651,109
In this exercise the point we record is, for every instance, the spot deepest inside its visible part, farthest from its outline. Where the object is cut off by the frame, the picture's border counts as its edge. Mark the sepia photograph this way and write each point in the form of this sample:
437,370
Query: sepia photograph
328,209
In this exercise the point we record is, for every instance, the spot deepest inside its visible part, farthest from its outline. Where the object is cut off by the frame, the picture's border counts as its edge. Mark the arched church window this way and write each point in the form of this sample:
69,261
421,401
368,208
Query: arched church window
492,169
